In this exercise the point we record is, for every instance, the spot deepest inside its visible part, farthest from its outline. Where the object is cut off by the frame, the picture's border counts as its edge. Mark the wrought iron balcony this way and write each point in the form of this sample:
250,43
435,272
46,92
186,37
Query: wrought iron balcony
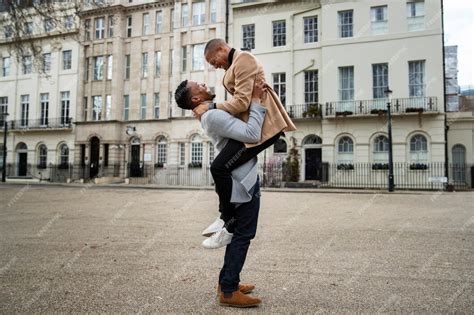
40,124
379,107
305,111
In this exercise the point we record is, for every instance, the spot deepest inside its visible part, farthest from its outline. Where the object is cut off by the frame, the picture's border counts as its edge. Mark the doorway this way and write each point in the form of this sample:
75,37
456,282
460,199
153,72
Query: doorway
313,164
22,158
94,157
135,169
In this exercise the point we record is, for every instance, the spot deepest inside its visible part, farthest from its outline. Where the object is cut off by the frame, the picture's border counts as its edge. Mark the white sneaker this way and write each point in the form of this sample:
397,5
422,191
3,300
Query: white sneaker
216,226
218,239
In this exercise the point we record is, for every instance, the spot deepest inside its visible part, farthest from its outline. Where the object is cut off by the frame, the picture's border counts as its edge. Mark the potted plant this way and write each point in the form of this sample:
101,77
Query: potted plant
195,165
312,111
345,166
418,166
414,110
378,111
380,166
292,164
159,165
344,113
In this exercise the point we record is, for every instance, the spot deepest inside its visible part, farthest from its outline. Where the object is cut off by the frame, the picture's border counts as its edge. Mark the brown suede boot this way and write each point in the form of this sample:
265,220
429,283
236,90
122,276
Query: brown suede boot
244,288
238,299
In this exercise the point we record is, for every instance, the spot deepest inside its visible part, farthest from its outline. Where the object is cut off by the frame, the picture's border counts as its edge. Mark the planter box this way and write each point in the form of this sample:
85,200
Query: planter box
346,113
414,110
378,111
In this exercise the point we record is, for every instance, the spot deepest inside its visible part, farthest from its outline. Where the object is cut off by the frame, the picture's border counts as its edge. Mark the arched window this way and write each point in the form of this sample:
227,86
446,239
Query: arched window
312,139
418,149
63,154
380,149
196,150
161,150
345,150
280,146
42,156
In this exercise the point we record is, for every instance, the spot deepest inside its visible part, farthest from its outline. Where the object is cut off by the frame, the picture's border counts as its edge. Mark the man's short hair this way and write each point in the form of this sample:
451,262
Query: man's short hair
213,44
182,96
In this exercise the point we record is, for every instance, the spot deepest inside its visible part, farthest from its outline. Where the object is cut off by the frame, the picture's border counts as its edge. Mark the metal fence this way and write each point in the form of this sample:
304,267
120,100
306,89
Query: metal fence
427,176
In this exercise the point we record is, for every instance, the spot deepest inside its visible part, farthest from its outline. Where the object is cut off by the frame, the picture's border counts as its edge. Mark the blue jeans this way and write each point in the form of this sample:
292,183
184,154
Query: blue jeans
246,216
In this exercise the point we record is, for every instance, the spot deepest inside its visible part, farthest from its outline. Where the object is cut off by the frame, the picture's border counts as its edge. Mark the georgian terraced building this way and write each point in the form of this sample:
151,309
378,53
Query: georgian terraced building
39,94
133,56
331,62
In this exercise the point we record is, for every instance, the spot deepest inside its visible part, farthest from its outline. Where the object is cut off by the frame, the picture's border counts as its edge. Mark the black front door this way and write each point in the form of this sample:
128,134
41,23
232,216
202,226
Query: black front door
135,170
313,164
94,154
22,163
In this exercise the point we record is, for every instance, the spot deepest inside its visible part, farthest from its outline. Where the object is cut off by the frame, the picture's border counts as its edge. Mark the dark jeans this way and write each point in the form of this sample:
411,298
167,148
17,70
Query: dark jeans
232,156
236,251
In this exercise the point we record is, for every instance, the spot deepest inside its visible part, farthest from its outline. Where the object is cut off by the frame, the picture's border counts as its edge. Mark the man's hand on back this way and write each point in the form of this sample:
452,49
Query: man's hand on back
200,109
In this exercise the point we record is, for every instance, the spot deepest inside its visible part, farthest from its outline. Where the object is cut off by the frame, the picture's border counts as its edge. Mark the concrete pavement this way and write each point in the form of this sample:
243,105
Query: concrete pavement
83,249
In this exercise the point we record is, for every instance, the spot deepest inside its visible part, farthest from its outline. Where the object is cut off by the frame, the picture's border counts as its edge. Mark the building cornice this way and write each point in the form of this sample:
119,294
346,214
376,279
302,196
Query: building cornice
125,9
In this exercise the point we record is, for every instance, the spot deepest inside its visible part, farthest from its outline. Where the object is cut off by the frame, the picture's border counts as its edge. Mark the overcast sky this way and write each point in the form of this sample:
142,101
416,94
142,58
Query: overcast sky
459,30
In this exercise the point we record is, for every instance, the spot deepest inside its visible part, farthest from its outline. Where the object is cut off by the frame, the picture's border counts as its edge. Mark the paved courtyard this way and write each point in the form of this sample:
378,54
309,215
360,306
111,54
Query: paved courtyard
93,249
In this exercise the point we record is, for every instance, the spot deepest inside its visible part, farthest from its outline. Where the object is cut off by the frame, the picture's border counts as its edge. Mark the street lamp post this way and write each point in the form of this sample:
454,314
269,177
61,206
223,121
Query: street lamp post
391,182
5,130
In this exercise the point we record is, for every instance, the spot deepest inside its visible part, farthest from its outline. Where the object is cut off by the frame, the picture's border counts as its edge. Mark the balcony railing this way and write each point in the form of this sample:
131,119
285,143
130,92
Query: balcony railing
40,124
305,111
379,106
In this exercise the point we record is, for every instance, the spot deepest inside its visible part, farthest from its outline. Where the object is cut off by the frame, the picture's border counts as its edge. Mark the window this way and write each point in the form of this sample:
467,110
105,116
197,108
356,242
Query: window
346,83
99,28
65,104
110,62
3,108
8,31
108,107
184,15
127,67
182,153
49,25
25,108
280,146
345,150
211,153
279,33
380,149
85,113
47,62
416,78
29,28
63,155
98,68
44,109
5,66
311,87
87,29
199,13
146,24
310,29
459,163
379,23
419,149
111,26
143,106
144,65
279,86
42,156
213,11
68,22
157,63
26,64
161,150
159,22
96,108
156,105
125,107
416,15
198,57
379,79
196,150
129,26
345,23
248,36
184,58
67,59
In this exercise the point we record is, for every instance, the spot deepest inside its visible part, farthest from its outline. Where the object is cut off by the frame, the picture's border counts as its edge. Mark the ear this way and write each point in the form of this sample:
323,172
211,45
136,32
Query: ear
195,99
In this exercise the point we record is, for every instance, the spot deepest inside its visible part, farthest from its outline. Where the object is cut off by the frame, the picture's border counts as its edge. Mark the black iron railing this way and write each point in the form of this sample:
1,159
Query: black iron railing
40,124
379,106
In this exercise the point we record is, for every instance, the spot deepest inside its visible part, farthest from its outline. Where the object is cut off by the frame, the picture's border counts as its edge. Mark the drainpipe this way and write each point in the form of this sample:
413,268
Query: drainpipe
292,50
446,127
